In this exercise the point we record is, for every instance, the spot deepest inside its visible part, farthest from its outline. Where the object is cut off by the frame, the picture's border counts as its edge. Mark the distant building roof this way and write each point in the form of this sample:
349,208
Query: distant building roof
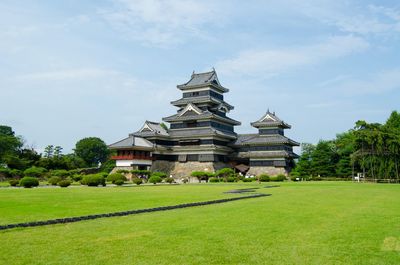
270,120
203,79
131,142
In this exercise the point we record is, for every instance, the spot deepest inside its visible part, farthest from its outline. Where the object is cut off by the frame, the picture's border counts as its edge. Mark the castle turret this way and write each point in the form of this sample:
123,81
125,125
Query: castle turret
269,151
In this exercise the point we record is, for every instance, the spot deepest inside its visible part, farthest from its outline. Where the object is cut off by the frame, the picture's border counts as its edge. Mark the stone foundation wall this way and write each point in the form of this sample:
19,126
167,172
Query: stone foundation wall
179,170
185,169
272,171
163,166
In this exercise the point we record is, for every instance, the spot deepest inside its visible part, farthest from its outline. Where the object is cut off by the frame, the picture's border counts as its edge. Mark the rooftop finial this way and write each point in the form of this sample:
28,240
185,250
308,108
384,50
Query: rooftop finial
268,110
213,69
193,73
274,112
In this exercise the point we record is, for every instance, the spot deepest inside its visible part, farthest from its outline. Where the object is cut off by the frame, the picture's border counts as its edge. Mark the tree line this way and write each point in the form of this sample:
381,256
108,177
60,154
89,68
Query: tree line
372,149
15,156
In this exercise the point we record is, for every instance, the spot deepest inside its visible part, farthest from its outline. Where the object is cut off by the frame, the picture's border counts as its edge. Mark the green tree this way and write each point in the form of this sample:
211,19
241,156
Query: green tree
394,121
48,151
344,143
57,151
324,159
92,150
9,145
303,166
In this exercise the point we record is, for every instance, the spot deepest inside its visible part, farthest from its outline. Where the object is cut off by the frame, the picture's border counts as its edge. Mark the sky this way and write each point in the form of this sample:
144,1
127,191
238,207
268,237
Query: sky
73,69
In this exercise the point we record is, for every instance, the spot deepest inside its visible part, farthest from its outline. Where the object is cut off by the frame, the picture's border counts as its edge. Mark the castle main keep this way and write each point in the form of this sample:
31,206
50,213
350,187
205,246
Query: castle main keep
201,137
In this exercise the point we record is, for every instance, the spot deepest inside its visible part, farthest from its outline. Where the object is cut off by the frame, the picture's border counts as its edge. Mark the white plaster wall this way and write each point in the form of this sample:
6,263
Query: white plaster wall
128,163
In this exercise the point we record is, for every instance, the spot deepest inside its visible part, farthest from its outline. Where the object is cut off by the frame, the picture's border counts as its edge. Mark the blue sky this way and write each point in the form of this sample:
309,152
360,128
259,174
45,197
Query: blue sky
73,69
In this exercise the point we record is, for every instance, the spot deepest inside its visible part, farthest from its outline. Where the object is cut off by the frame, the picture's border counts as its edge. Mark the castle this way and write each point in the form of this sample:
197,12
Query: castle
201,137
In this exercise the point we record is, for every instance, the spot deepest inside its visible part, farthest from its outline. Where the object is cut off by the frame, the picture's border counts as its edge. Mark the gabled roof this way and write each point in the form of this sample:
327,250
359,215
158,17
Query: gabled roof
151,128
131,142
190,108
270,120
203,79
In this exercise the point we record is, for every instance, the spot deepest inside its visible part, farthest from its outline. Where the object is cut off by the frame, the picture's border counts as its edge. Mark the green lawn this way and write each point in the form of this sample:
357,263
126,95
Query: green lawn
301,223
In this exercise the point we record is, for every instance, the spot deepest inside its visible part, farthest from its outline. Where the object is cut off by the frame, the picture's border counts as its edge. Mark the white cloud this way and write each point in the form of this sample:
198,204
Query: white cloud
377,83
159,22
270,62
351,18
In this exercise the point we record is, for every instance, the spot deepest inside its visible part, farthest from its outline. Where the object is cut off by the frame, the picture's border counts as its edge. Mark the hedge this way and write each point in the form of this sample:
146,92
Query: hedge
93,180
155,179
29,182
64,183
116,177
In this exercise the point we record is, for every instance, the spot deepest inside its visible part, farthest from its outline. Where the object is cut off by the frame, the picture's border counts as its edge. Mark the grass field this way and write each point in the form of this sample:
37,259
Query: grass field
301,223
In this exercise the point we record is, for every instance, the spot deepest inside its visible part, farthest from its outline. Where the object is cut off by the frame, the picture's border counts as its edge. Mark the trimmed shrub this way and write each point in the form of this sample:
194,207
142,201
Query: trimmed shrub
5,173
169,180
159,174
230,179
34,172
280,177
60,173
104,174
185,180
213,180
119,182
93,180
13,182
64,183
263,177
248,179
225,172
77,177
155,179
143,173
54,180
137,181
15,173
202,175
122,171
116,176
29,182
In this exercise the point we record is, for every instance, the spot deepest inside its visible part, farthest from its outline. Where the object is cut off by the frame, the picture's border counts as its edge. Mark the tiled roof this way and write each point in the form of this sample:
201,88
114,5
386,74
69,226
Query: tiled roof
193,132
267,154
256,139
200,99
132,141
270,120
150,128
203,79
204,115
